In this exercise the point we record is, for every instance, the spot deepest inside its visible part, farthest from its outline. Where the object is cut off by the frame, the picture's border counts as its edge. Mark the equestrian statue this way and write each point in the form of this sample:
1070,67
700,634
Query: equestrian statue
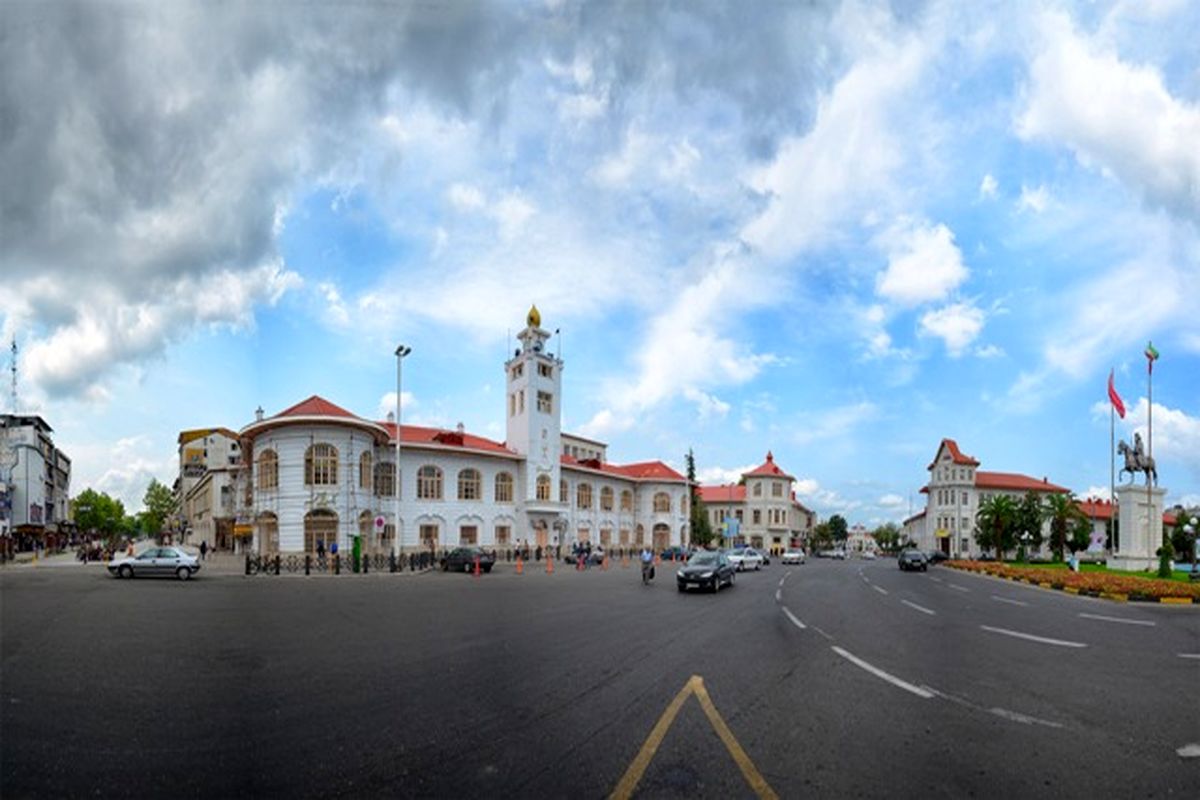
1136,460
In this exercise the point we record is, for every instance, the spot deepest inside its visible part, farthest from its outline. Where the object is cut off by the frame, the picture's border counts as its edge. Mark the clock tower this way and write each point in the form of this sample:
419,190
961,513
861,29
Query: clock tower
534,398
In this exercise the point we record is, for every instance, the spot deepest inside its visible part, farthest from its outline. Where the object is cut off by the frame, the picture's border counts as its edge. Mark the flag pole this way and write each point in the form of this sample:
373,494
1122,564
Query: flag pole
1112,476
1150,528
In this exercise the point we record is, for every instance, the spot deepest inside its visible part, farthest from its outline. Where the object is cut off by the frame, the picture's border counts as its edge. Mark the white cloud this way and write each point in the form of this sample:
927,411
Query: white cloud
836,422
335,308
466,198
892,501
988,186
387,405
722,475
1115,116
989,351
957,325
924,264
511,213
824,501
1034,200
1176,436
1096,492
708,406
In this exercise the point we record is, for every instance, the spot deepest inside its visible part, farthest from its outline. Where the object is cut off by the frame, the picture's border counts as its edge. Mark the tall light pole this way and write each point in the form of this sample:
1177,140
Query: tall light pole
401,352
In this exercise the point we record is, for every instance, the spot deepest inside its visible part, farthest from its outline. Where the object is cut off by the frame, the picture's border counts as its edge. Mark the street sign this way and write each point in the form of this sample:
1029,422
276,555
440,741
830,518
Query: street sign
380,522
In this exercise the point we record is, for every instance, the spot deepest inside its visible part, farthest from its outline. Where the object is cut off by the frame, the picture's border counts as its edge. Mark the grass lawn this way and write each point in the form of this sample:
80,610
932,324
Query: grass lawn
1180,574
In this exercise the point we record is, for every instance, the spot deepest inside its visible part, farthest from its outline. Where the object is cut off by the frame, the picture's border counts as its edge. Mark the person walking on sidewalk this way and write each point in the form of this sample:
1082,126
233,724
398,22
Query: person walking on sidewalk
203,550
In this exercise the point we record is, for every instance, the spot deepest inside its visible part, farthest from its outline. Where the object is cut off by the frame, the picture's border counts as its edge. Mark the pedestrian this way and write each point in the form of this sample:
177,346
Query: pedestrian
321,551
203,550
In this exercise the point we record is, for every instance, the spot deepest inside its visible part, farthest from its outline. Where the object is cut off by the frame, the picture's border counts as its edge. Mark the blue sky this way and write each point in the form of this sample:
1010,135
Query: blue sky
839,232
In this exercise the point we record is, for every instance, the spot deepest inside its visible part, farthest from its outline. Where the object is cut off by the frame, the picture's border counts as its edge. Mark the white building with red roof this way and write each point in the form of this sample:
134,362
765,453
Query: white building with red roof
320,474
765,507
956,488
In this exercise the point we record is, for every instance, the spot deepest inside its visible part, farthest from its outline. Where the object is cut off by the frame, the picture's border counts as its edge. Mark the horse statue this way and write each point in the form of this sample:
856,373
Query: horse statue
1137,461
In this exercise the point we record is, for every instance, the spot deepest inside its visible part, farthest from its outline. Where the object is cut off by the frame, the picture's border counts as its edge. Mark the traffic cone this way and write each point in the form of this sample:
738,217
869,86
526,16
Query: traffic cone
549,566
476,566
604,564
520,566
657,559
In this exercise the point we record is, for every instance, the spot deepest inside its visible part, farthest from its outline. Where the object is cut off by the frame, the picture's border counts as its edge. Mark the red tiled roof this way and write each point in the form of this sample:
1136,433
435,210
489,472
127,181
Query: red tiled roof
918,515
768,467
1095,509
1169,519
731,493
315,406
645,470
956,455
415,434
1014,481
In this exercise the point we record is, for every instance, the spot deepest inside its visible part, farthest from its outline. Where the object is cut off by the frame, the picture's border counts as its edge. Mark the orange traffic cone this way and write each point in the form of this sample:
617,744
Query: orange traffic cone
657,559
604,563
476,566
520,566
549,565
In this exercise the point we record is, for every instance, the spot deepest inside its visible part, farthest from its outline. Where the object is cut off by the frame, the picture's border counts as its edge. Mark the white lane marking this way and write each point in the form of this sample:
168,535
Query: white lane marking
879,589
781,580
1023,718
1007,600
778,596
877,672
823,633
1032,638
1124,620
959,588
922,609
1189,751
792,617
1189,655
937,580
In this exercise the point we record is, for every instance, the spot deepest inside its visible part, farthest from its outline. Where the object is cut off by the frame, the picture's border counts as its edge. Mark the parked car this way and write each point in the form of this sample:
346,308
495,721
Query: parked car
594,557
745,558
163,562
462,559
913,560
674,553
935,556
705,570
869,555
794,556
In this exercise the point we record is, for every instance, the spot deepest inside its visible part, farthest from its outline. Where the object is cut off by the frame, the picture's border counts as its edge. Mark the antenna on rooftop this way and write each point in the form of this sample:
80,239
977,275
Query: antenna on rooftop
14,374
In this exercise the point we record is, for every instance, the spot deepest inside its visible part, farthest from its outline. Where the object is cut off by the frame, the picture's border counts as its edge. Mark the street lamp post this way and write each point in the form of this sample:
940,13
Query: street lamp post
1190,530
401,352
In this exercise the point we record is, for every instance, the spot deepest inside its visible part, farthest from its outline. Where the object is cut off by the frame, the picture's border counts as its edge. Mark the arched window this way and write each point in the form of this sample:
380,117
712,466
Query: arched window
365,473
627,500
662,503
385,479
469,485
583,495
429,483
564,492
321,465
543,488
606,499
504,487
268,470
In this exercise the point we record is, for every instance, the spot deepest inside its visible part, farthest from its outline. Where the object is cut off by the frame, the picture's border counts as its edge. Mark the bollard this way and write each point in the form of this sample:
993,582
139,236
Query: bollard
247,563
366,561
276,565
392,562
307,563
337,564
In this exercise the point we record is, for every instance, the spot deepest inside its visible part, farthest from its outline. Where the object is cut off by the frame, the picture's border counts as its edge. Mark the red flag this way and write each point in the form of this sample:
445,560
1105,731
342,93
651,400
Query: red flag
1114,397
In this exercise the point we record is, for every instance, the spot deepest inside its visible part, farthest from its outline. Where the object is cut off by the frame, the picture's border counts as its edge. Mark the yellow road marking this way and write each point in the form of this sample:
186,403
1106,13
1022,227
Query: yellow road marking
694,686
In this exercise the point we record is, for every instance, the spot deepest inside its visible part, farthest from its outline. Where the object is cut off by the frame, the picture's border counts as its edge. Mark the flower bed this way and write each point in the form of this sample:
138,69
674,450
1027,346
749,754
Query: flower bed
1096,584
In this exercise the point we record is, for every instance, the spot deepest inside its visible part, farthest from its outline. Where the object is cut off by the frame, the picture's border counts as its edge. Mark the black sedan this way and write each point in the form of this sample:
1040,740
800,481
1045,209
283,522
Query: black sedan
462,559
705,570
913,560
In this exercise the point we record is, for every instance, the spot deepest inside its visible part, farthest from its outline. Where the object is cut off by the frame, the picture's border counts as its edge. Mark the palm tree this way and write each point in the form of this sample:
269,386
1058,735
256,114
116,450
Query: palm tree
1062,510
995,524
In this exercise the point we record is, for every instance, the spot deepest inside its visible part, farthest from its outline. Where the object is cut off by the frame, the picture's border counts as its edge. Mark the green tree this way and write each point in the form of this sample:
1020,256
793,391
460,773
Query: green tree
996,524
1029,517
822,536
838,528
1183,542
1062,510
1081,534
887,535
702,532
160,505
97,512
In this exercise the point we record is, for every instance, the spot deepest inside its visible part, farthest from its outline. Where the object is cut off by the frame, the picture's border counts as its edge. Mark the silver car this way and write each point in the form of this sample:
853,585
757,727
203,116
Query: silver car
156,562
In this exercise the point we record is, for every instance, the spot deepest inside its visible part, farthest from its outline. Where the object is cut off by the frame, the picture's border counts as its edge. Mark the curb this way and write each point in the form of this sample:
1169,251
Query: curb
1118,598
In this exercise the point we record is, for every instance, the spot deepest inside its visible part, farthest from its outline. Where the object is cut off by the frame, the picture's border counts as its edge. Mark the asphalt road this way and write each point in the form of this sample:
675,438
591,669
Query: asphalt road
830,679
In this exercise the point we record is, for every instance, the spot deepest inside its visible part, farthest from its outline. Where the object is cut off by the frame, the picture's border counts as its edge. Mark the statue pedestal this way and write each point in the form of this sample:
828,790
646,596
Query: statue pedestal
1140,515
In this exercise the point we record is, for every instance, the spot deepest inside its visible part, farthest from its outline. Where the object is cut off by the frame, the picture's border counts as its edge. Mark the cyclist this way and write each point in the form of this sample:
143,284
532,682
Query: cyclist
647,565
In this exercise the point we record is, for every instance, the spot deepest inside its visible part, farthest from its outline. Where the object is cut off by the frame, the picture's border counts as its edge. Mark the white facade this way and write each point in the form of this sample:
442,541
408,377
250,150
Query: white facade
36,478
319,474
765,507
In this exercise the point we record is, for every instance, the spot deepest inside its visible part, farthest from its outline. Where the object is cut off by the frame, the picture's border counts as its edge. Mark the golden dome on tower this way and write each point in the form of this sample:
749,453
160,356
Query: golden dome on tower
534,318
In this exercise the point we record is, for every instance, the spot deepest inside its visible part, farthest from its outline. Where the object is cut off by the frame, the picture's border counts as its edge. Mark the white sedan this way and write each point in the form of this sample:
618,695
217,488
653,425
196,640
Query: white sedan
793,556
745,558
156,562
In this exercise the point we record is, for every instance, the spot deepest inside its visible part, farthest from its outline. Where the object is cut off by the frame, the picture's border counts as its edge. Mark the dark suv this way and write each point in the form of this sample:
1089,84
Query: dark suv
913,559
